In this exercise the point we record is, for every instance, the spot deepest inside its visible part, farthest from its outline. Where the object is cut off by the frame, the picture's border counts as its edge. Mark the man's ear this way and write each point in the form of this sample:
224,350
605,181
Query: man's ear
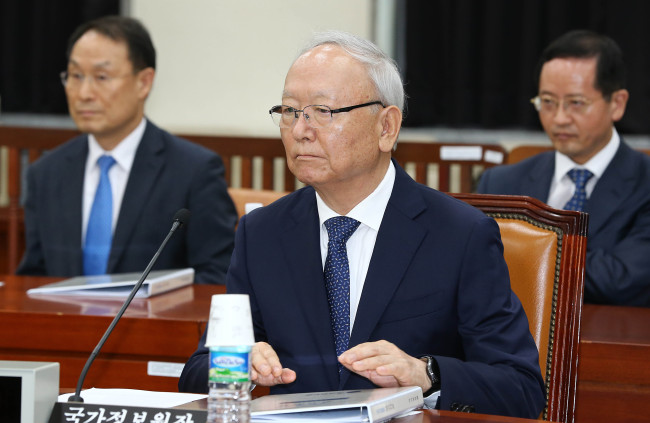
618,103
145,82
391,123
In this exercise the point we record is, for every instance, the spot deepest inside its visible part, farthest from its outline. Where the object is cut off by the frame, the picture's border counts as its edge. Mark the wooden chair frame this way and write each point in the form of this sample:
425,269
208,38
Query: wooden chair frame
255,156
559,360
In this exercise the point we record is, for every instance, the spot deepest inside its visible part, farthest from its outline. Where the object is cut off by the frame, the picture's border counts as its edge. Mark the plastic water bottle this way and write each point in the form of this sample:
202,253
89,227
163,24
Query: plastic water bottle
229,385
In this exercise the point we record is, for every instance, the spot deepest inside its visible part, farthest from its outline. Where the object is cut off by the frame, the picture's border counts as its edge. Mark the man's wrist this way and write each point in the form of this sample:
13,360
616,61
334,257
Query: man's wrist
433,374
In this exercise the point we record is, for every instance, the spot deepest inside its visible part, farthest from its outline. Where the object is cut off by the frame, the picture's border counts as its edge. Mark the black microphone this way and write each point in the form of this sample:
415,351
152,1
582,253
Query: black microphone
180,218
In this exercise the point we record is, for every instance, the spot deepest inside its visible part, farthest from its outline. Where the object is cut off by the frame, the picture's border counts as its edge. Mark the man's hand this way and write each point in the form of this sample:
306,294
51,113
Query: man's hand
386,365
266,369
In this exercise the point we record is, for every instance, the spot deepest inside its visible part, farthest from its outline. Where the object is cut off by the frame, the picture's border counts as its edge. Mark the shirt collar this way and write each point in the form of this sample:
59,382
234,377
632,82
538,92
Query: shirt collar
123,153
370,211
595,165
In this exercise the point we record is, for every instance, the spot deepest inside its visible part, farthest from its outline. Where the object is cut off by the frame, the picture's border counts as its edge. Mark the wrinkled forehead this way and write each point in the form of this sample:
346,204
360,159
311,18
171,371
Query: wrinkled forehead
328,71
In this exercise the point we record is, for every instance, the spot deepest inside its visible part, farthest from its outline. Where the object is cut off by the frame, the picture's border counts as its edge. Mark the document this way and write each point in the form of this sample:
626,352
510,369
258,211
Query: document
120,284
365,405
134,397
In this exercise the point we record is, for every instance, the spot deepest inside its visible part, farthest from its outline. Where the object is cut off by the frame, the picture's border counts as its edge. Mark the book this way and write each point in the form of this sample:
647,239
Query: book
119,284
110,305
364,405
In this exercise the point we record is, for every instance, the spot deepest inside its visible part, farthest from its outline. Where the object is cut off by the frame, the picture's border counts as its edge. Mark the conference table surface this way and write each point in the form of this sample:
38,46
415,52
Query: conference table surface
614,375
148,346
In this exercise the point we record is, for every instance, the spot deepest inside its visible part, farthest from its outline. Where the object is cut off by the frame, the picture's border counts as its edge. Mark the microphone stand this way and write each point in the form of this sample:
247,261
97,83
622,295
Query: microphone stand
179,219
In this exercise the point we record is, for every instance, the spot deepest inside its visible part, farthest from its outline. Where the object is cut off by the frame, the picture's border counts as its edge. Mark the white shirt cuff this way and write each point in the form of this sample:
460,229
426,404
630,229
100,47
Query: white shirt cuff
432,400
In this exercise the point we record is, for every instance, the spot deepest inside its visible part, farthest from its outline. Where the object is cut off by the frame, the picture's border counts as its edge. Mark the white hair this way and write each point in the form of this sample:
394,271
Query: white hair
382,69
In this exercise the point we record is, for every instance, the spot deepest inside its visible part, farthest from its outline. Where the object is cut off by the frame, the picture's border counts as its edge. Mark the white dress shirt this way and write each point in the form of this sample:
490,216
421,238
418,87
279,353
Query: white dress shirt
562,187
361,244
124,154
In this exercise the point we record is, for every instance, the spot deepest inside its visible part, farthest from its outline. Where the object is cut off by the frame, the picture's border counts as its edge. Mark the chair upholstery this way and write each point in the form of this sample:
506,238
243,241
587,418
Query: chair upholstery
522,152
545,251
243,196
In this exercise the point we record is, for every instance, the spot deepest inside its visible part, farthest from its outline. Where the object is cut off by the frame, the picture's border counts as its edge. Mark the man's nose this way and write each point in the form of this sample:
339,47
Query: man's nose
87,87
301,127
561,116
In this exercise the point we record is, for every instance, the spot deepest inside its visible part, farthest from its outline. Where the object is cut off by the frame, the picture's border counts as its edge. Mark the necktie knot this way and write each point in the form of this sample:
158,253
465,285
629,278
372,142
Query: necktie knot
340,228
105,163
579,178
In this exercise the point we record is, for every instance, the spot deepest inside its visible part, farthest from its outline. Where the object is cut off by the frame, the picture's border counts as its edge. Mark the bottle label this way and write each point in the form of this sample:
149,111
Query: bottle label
226,367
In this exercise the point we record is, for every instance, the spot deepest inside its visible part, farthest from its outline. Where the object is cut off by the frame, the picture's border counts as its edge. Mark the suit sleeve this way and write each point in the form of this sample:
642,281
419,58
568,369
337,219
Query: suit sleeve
194,377
484,183
211,230
620,272
33,262
500,371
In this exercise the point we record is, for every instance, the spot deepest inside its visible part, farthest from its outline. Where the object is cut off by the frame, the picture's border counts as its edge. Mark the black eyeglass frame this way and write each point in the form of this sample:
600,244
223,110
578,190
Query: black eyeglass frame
275,109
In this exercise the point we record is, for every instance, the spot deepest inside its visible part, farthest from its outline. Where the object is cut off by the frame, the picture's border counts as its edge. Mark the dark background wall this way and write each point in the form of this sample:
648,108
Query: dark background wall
466,63
33,40
470,63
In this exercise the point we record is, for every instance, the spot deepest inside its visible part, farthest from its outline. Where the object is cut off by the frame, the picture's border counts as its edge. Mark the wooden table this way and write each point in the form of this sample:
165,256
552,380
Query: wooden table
614,360
65,329
614,365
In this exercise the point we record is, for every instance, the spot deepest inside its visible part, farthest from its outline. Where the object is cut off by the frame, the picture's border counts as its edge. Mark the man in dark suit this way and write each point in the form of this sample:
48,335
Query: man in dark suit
581,79
418,294
70,228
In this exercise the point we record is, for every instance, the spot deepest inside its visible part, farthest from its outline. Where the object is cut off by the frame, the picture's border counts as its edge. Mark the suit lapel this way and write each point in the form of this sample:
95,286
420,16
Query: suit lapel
147,164
537,182
616,184
388,264
301,240
69,192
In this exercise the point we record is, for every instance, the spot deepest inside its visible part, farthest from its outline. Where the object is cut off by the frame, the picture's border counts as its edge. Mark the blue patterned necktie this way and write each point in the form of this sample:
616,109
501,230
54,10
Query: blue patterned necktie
99,232
337,278
580,178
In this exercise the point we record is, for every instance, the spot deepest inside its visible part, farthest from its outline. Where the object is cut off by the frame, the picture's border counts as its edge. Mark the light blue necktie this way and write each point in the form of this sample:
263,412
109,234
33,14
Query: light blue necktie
99,233
337,278
579,199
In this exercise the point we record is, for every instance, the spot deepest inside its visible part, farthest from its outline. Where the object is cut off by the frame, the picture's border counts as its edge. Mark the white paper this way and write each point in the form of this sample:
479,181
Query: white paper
461,152
249,207
134,398
330,416
492,156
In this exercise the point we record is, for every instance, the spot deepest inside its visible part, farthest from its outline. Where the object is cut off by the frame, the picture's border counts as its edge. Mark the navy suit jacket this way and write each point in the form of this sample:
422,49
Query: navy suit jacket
168,173
437,284
618,246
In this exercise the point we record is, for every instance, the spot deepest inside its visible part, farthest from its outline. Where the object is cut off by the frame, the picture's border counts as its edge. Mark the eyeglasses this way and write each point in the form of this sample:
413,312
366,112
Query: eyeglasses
573,104
74,80
316,115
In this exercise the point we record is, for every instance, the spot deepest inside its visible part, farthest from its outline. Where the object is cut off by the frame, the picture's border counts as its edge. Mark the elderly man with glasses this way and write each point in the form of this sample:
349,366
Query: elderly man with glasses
581,80
365,278
104,201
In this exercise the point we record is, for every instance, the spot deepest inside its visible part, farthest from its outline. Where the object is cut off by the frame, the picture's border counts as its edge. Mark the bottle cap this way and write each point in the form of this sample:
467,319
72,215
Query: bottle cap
230,322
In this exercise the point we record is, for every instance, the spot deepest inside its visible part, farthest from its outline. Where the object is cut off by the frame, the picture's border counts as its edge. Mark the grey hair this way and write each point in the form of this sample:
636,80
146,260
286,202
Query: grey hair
382,69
